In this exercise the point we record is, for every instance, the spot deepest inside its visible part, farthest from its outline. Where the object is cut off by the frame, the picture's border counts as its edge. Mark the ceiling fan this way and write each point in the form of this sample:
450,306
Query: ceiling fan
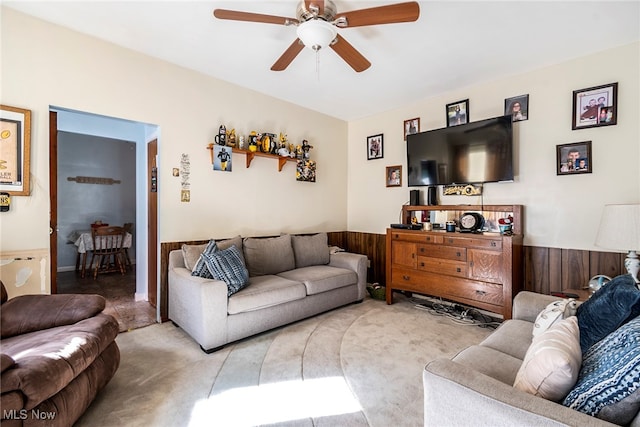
318,21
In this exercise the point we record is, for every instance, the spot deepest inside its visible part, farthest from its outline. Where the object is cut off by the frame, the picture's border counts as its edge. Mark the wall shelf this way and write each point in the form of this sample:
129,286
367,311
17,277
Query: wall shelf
250,155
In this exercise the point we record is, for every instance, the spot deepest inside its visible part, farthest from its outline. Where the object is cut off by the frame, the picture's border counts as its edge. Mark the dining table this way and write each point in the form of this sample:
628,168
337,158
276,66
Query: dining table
83,241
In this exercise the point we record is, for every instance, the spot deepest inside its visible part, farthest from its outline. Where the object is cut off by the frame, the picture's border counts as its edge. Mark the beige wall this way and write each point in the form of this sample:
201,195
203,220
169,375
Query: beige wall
43,65
560,211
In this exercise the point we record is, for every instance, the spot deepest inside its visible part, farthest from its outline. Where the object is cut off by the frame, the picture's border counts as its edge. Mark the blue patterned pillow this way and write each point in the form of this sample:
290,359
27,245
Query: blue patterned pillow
609,308
610,373
200,269
227,266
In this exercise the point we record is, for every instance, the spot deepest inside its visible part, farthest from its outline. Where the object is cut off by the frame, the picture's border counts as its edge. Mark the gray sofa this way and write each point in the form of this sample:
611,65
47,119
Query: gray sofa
291,277
475,387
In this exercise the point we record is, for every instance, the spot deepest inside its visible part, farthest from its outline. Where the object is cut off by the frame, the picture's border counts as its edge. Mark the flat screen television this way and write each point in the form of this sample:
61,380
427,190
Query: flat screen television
472,153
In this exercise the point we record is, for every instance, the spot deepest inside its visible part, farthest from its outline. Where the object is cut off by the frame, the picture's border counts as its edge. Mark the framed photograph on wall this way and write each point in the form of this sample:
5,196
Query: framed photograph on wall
595,106
574,158
457,113
15,149
394,176
517,107
411,126
374,146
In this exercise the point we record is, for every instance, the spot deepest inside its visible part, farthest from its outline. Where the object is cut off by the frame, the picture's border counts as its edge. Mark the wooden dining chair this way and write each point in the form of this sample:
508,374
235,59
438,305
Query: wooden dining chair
128,228
108,254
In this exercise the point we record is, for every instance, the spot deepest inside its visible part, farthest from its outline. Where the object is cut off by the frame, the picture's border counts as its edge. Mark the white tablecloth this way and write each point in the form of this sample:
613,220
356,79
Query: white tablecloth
82,239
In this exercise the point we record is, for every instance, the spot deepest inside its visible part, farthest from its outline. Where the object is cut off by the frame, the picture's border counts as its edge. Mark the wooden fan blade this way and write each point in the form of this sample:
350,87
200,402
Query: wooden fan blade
391,14
350,55
288,56
234,15
318,3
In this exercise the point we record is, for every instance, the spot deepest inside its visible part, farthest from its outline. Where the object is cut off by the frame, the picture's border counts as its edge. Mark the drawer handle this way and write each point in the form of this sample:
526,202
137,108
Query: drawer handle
428,239
480,292
458,254
422,264
458,270
421,249
405,277
450,240
493,244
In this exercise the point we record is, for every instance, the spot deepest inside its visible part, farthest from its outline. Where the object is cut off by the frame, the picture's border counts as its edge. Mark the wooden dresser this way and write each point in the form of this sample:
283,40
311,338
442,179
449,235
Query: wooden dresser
480,270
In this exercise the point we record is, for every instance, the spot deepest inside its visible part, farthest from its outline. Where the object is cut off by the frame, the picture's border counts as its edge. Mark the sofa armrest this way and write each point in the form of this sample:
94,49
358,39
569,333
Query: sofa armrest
455,394
355,262
198,305
29,313
527,305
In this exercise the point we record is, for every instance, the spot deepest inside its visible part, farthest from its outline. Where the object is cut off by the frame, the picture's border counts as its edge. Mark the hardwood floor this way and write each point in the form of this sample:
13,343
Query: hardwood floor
119,291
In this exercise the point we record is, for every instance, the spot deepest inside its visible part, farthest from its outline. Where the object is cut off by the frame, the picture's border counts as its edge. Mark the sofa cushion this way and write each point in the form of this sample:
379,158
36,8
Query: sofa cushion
552,313
265,291
551,365
513,337
321,278
493,363
609,307
191,253
269,255
310,250
200,268
610,373
48,360
226,265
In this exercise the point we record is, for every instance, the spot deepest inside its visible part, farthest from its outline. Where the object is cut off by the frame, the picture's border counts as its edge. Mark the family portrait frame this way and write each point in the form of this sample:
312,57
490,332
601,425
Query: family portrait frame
375,145
457,113
574,158
517,107
595,106
411,126
15,150
393,176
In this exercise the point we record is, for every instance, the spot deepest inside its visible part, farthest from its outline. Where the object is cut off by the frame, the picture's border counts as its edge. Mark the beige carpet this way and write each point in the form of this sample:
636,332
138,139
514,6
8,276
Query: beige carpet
359,365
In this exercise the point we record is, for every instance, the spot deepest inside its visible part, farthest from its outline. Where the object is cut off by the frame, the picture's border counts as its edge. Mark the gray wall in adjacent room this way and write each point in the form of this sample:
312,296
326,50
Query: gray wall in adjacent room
80,204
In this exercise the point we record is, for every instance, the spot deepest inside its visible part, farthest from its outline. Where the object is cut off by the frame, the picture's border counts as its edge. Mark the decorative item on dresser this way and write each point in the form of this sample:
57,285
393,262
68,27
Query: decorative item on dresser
620,229
483,270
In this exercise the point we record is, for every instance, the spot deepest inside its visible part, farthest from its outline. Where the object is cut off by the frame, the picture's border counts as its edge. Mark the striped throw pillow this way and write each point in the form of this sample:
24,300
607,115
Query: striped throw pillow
200,269
227,266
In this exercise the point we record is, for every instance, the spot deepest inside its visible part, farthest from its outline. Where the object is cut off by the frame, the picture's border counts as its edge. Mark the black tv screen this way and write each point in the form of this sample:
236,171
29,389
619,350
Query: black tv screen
472,153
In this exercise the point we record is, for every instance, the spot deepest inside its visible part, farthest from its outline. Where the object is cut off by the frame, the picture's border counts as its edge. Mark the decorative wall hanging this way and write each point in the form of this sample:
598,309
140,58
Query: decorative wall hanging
517,107
394,176
411,126
375,146
574,158
462,190
93,180
185,171
457,113
306,170
595,106
222,158
15,149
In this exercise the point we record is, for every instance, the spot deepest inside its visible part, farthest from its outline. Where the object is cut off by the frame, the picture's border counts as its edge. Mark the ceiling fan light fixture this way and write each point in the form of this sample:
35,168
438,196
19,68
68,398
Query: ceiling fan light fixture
316,33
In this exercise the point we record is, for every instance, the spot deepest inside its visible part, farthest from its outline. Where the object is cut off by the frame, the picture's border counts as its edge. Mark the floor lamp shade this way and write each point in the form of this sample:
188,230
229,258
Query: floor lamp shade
620,230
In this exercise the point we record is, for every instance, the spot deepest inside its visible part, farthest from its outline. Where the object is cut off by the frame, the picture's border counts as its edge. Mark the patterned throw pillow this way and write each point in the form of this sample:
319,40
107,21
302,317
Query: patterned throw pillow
610,374
227,266
609,307
200,269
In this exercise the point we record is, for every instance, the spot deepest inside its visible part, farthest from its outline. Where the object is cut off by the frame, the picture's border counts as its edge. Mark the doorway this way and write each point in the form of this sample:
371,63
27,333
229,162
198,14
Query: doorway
112,153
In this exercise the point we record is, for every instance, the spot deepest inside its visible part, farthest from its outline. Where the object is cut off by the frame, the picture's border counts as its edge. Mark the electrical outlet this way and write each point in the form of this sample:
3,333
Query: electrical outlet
368,263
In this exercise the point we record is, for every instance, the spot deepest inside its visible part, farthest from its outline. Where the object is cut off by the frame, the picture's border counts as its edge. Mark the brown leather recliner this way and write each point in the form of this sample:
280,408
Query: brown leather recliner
56,353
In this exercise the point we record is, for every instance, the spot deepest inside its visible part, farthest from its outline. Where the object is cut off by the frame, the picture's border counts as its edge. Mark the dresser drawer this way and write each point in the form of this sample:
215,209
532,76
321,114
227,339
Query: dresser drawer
477,291
443,266
417,237
446,252
472,242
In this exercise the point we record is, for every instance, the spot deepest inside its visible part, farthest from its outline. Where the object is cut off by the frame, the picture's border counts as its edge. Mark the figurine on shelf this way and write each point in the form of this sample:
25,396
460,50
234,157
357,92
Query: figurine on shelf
305,149
253,141
283,150
299,153
221,137
231,138
241,142
292,151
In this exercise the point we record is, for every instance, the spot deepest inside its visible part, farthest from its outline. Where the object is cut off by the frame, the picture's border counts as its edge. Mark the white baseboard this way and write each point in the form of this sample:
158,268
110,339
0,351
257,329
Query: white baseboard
65,269
141,296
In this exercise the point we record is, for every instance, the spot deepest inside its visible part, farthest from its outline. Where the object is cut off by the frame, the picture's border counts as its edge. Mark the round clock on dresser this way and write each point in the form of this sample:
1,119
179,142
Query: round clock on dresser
471,221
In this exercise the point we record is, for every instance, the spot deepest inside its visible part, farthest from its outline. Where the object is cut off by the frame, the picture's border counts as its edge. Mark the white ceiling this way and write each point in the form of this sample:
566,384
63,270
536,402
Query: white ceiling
452,45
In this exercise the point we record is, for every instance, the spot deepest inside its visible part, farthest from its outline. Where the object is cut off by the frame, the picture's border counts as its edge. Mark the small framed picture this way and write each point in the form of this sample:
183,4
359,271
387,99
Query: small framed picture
574,158
595,106
222,158
374,147
394,176
411,126
517,107
458,113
